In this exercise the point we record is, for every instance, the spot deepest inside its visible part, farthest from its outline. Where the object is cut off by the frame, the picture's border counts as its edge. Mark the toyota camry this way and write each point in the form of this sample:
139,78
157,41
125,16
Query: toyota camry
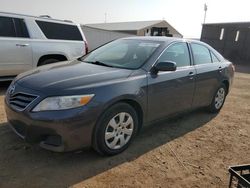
104,98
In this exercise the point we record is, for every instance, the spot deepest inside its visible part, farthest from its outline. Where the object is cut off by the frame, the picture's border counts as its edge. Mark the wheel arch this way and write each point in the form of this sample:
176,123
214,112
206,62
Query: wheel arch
138,108
60,57
226,83
130,101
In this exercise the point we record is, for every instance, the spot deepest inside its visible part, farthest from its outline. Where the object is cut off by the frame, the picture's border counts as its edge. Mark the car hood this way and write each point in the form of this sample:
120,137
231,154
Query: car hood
69,75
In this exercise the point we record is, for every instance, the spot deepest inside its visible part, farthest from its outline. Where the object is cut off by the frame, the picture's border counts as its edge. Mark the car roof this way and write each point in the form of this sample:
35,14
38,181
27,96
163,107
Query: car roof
153,38
164,39
167,41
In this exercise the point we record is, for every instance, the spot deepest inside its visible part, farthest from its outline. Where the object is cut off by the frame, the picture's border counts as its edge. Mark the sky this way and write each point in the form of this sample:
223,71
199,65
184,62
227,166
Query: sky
185,15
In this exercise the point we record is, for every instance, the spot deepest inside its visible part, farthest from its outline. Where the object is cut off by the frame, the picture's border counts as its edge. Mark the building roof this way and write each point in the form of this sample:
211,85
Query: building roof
227,23
110,31
129,26
125,26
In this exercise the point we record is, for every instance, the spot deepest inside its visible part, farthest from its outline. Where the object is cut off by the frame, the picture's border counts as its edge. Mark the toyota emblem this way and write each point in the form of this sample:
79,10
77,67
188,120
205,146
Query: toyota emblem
12,90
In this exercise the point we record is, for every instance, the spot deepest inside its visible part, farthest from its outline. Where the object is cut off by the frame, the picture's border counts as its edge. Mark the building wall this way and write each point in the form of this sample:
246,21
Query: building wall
236,51
131,32
97,37
147,31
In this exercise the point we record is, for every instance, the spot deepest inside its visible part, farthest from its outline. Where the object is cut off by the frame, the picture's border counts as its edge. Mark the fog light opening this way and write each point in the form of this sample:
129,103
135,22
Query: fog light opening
53,140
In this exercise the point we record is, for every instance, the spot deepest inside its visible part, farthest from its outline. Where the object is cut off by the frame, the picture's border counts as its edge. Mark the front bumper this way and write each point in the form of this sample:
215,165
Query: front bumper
58,131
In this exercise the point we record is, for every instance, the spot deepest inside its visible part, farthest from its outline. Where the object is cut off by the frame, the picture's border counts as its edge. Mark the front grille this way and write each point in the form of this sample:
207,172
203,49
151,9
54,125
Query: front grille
20,101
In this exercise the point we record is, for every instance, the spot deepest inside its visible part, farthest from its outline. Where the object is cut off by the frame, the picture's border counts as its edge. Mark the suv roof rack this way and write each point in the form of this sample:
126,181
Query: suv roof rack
45,16
68,21
42,16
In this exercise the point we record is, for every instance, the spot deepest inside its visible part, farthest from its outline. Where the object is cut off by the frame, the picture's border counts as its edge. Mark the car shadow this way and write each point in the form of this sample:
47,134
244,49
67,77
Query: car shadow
25,165
4,86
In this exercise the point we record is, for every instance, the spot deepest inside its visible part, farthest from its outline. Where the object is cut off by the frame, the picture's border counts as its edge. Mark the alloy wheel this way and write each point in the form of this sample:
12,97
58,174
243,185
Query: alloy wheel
219,98
119,130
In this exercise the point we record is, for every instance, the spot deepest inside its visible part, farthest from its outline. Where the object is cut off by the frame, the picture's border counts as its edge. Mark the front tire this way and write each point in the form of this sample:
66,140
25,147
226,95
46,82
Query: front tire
116,129
218,99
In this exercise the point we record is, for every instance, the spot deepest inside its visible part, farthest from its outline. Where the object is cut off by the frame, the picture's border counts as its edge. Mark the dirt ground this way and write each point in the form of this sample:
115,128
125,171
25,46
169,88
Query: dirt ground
193,150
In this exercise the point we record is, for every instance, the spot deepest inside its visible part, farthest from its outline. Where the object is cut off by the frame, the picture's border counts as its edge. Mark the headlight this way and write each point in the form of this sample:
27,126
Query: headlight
63,102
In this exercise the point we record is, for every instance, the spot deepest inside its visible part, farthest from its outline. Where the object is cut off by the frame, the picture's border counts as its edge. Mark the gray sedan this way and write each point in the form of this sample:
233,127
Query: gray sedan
104,98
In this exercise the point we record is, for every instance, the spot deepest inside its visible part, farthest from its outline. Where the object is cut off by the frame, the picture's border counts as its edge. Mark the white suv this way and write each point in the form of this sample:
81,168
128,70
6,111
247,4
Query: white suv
27,42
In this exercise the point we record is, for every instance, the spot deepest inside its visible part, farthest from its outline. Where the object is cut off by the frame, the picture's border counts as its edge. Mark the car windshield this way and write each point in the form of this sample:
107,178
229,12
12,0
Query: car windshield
123,53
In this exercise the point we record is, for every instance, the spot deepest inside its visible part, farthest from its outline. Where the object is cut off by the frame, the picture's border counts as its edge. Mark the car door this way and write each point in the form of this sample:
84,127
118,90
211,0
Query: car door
15,49
171,92
208,76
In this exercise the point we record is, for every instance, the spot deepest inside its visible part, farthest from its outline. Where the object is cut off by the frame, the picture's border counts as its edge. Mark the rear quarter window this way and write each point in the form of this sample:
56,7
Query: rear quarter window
59,31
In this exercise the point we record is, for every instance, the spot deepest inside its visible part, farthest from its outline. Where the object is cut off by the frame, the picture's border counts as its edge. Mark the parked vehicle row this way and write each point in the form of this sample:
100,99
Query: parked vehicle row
104,98
27,42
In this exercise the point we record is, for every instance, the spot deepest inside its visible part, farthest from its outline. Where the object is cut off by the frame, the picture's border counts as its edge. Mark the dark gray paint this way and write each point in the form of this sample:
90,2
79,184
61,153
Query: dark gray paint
158,95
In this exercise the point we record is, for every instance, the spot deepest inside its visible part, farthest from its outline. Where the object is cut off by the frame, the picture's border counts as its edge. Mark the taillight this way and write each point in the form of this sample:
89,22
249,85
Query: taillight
86,47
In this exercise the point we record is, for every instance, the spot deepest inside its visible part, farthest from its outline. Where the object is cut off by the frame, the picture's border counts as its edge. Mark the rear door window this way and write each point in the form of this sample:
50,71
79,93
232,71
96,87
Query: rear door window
60,31
21,29
201,54
7,28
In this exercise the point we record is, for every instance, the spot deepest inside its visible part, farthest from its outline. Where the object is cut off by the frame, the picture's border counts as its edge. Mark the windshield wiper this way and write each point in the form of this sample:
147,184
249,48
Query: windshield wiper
98,63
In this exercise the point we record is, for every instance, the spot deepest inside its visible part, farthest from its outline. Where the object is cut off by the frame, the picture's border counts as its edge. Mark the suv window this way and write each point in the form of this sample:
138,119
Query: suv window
13,27
177,53
60,31
21,29
201,54
7,28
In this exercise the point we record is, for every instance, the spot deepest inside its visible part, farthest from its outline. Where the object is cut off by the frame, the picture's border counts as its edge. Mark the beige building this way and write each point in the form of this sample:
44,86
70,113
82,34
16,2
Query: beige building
97,37
140,28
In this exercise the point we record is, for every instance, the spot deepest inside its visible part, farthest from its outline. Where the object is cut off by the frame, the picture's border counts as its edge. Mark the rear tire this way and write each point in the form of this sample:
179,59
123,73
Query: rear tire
218,99
115,129
48,61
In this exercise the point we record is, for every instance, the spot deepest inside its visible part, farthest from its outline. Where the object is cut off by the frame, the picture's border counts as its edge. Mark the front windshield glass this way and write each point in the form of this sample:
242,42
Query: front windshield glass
123,53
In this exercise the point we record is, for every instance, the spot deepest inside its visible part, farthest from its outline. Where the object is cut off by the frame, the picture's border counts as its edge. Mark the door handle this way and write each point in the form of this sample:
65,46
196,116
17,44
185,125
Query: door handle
22,45
220,69
191,75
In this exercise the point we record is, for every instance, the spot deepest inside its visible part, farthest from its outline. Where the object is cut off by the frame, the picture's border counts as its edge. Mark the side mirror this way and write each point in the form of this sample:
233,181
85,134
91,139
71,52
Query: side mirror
164,66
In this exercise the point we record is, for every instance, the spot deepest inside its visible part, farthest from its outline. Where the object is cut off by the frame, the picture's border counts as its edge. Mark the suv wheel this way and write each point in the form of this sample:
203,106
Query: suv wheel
219,99
116,129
